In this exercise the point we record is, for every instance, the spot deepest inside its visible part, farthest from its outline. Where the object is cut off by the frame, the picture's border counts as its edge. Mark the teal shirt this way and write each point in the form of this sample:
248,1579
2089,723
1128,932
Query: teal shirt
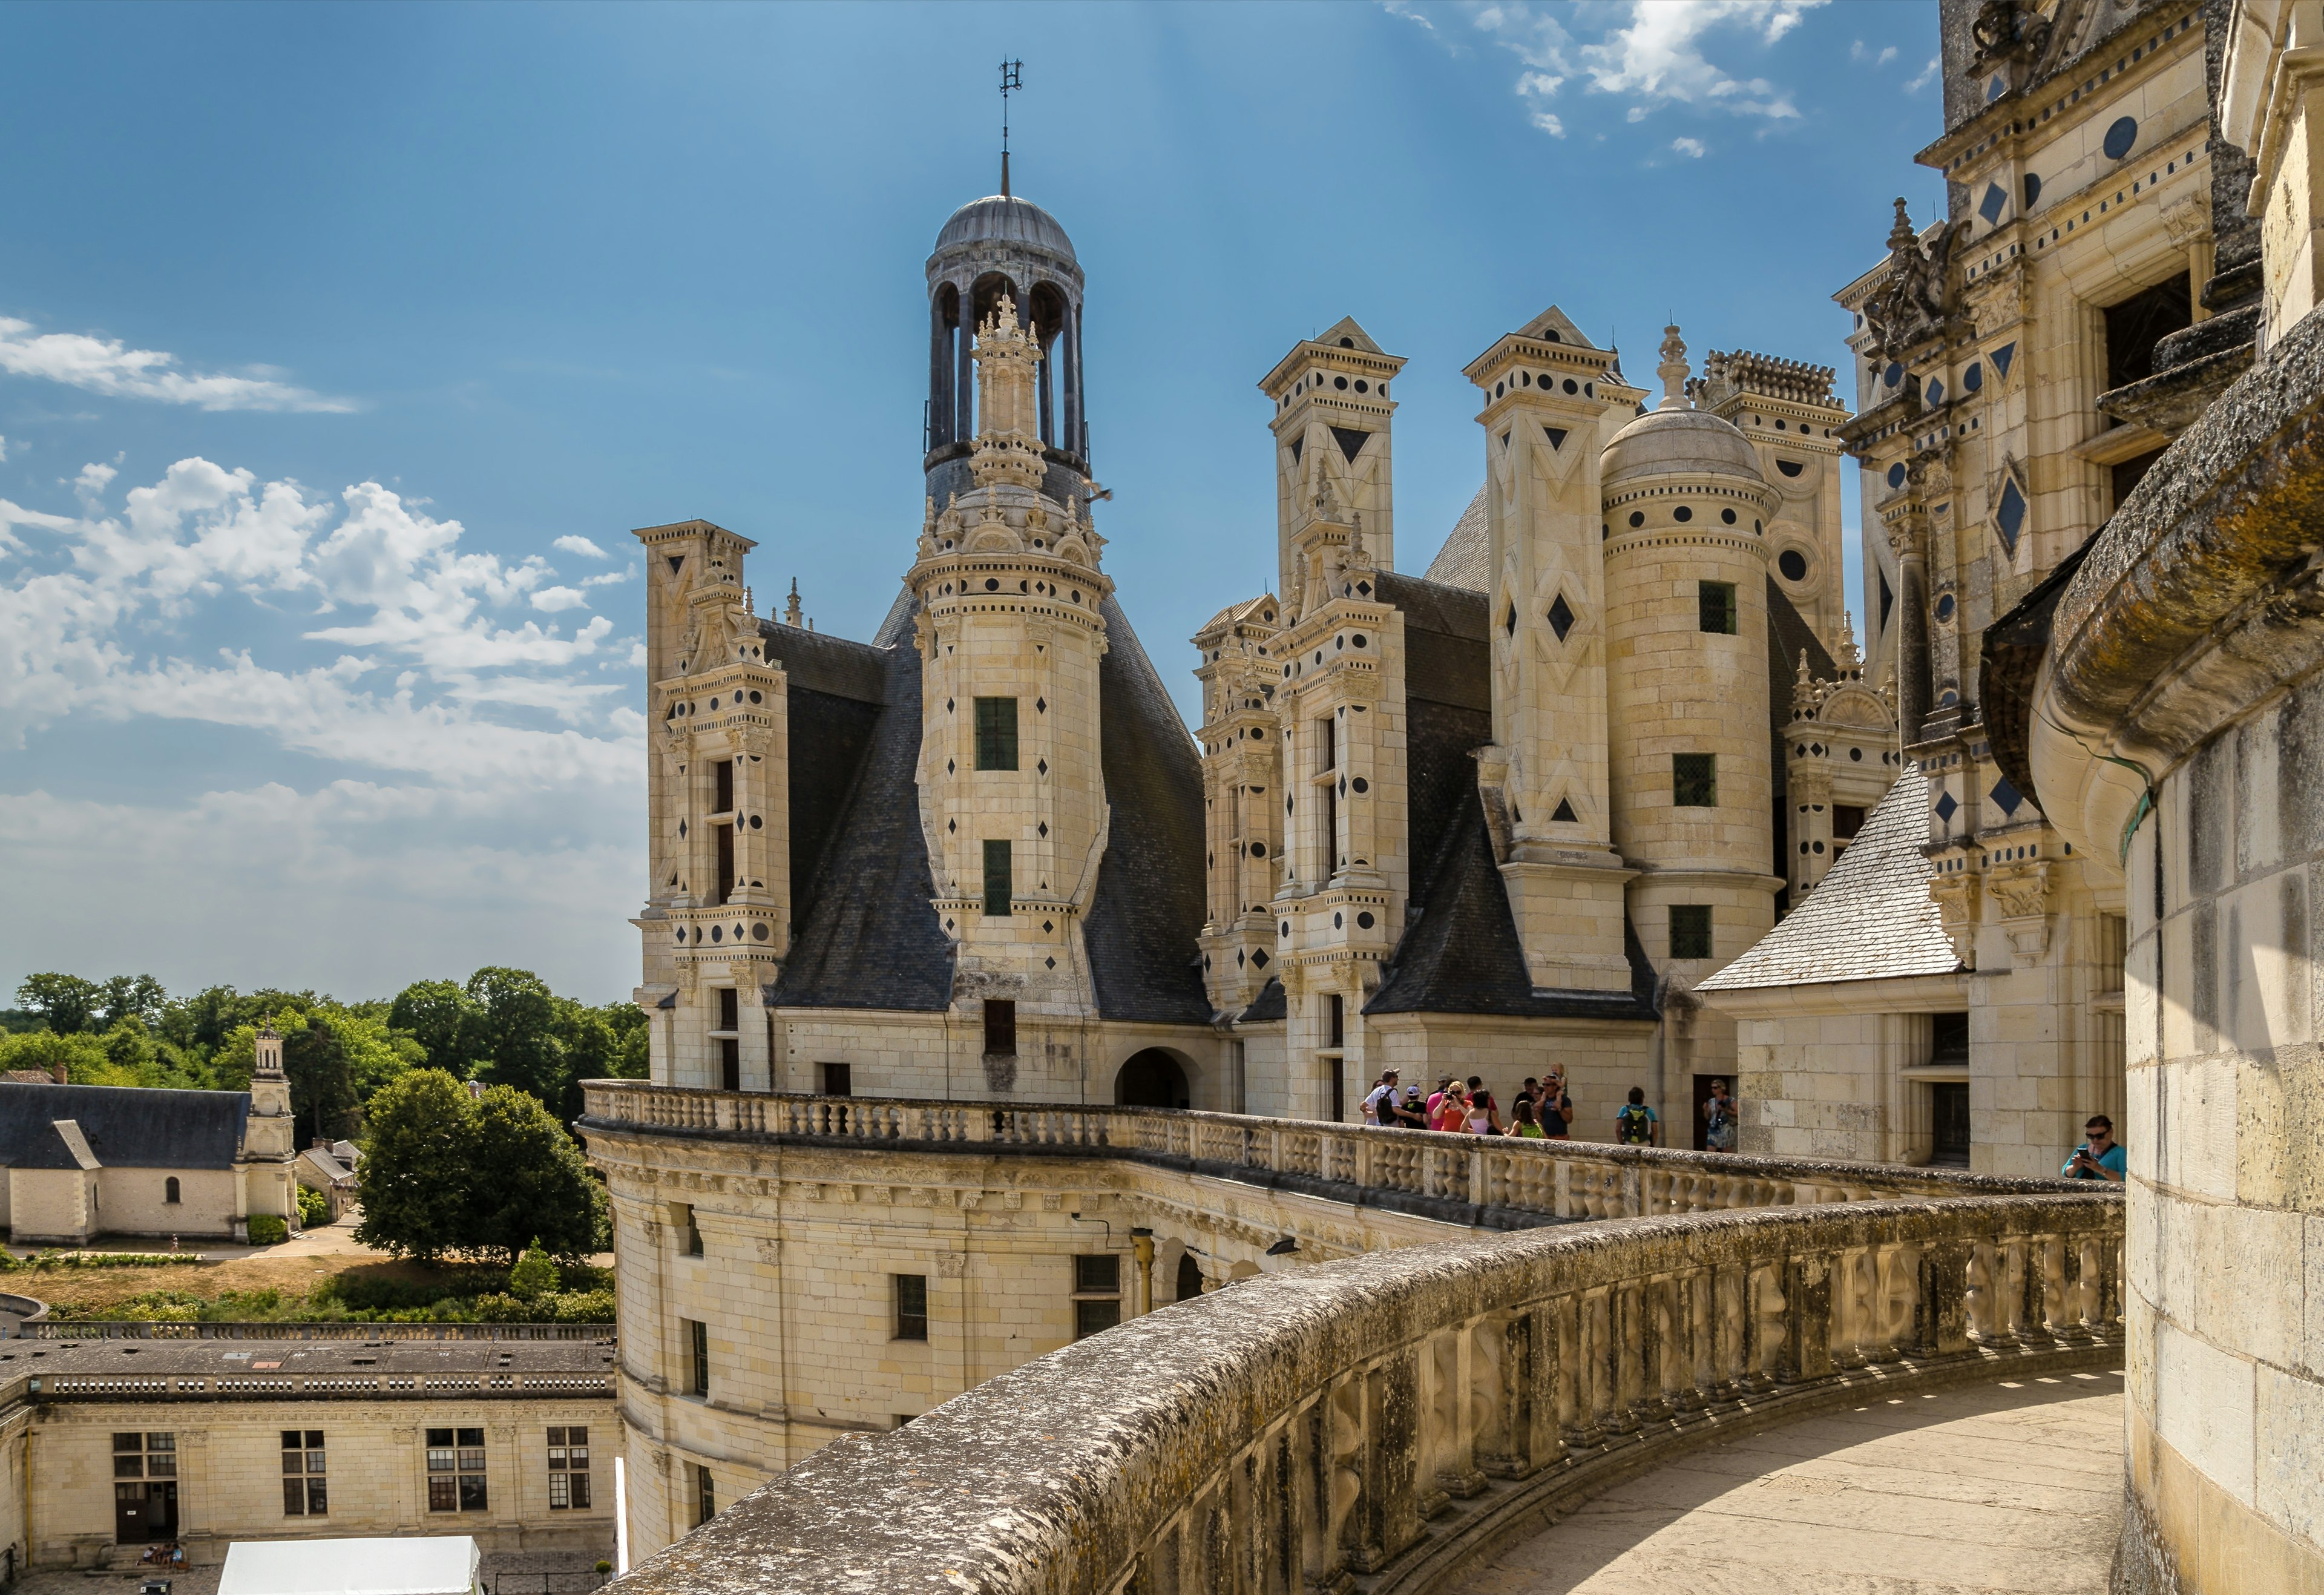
2111,1160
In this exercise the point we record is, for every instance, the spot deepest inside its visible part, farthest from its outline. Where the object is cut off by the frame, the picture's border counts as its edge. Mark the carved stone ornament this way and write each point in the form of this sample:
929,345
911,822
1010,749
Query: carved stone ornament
1915,300
2007,31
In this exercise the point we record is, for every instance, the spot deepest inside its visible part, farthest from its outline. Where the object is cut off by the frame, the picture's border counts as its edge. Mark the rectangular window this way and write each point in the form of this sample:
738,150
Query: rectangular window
1847,820
838,1079
455,1470
725,888
1690,930
1335,1020
723,770
2113,950
730,1009
1100,1273
1097,1294
568,1468
998,887
996,734
682,1216
730,1064
1716,601
705,1497
305,1492
1694,781
911,1306
698,1342
1329,761
999,1028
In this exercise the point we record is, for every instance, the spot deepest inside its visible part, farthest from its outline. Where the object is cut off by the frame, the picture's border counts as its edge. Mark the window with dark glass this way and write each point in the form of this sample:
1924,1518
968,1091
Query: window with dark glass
170,1189
998,886
723,770
999,1028
455,1470
1690,930
698,1340
911,1306
838,1079
304,1489
996,734
568,1467
144,1456
682,1216
1694,781
1847,820
705,1497
1097,1294
1716,602
723,889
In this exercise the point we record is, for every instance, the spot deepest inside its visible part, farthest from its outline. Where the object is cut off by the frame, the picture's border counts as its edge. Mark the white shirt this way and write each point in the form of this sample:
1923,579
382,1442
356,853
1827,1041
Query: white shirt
1372,1104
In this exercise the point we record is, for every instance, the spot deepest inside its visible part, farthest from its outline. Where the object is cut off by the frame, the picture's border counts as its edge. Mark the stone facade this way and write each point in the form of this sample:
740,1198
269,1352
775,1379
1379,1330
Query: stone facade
108,1445
2020,363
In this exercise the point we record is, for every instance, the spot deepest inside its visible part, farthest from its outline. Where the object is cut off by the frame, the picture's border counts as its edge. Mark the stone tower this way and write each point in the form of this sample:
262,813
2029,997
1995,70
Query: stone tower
1685,527
1010,632
1552,401
1242,798
1787,409
270,1132
1332,457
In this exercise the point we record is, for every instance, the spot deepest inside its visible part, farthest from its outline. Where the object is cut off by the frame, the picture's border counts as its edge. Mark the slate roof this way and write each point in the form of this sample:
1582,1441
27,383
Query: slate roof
865,934
1144,926
193,1358
1870,919
1462,561
121,1126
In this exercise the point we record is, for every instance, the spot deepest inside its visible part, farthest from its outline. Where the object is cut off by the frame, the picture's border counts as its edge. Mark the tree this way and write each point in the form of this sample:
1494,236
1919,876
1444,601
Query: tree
434,1013
322,1079
419,1166
132,996
534,1275
511,1033
82,1054
66,1001
530,1182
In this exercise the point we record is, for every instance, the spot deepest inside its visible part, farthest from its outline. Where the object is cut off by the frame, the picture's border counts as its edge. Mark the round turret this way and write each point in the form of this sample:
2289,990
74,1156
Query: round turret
1004,219
1677,443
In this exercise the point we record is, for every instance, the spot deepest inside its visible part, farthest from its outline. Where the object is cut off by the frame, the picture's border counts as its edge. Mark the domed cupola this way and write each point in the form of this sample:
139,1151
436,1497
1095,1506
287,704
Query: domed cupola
1676,439
1002,248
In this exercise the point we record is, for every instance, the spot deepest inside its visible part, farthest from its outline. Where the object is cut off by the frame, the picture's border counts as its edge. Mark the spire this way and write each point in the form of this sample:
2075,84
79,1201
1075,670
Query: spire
1673,370
1851,662
791,612
1901,234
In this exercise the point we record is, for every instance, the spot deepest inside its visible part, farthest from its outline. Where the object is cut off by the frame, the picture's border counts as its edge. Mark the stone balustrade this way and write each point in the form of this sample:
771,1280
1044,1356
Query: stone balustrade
1490,1182
1391,1415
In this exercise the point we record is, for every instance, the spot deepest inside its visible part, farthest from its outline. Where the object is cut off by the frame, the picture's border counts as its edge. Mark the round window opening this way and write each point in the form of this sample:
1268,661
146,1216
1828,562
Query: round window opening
2120,137
1340,382
1945,607
1637,516
1793,564
1681,514
1728,516
1897,475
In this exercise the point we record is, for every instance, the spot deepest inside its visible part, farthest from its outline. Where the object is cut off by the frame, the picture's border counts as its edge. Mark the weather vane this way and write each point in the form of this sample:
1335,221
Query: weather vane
1012,76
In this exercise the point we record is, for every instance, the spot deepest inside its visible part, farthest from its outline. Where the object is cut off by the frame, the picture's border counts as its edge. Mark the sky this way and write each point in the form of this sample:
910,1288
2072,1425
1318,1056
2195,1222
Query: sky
342,346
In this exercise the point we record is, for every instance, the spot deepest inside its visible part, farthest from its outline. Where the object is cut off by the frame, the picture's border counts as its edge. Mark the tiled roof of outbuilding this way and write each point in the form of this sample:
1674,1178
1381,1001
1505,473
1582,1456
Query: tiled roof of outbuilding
123,1126
1870,919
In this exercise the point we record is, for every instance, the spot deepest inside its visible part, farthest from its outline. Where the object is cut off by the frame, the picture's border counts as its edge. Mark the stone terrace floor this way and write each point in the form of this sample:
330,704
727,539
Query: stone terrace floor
2001,1486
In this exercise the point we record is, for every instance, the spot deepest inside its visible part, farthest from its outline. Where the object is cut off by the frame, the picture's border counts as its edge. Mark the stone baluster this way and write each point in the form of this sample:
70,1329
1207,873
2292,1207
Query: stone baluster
1768,1355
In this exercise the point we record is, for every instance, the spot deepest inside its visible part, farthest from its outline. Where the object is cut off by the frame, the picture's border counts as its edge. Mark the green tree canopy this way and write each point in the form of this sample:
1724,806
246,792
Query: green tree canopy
131,996
531,1181
66,1001
511,1035
434,1013
323,1097
418,1168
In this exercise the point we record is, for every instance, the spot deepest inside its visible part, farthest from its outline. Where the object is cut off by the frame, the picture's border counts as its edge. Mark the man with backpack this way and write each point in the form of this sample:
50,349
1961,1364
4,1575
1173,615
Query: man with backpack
1635,1123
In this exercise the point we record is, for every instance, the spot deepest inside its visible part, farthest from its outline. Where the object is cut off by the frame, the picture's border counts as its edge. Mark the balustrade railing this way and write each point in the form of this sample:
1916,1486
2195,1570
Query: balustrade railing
1505,1182
1391,1415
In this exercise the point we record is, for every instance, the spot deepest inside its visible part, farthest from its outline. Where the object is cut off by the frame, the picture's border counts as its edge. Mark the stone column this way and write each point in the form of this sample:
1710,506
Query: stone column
939,373
963,381
1070,355
1907,529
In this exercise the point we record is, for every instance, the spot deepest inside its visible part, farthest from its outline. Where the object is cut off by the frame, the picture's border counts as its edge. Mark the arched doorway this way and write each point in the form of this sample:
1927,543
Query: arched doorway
1190,1277
1151,1079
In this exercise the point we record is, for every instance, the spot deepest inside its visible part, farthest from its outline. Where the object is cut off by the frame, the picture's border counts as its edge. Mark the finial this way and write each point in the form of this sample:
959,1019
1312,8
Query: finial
1850,658
791,616
1673,370
1901,236
1012,76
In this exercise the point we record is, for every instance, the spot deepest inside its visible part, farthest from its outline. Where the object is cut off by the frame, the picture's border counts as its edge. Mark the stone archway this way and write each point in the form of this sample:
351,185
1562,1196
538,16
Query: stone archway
1152,1078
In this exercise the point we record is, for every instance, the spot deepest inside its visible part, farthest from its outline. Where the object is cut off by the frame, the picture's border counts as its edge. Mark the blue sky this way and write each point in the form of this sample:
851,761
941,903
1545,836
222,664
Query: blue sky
340,347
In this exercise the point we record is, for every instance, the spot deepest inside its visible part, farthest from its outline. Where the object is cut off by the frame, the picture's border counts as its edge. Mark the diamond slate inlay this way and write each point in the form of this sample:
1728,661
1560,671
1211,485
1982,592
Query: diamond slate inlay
1946,807
1561,617
2006,797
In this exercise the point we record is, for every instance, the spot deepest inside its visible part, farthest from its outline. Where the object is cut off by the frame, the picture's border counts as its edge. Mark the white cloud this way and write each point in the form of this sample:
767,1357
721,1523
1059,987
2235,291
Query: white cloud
581,545
4,451
1659,59
549,600
609,578
90,485
1688,146
1534,89
1927,76
1861,51
107,367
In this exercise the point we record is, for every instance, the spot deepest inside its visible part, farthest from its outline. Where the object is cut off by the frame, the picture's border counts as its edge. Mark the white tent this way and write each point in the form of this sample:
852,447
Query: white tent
445,1565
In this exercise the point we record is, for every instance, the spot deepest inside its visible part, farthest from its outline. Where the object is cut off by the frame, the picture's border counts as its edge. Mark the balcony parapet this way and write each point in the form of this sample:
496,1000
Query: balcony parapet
1393,1417
1482,1181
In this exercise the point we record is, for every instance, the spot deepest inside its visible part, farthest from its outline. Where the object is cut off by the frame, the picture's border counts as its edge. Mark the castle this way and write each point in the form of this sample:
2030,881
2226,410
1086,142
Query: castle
1506,813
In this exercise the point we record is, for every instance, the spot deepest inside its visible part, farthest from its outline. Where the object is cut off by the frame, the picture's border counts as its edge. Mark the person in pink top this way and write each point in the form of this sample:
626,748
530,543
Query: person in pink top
1452,1110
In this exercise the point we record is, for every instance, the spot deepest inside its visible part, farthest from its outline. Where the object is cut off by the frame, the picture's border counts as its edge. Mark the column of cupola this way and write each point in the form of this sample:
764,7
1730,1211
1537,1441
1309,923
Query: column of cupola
1011,634
1243,788
1551,404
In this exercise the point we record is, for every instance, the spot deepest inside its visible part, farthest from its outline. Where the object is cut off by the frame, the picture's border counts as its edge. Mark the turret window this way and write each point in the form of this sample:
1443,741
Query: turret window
1716,604
996,734
1690,930
998,889
1694,781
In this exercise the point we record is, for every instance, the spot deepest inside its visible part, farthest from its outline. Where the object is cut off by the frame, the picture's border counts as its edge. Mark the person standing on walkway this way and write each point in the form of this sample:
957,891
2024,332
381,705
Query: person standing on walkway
1451,1109
1484,1114
1522,1123
2099,1158
1436,1097
1635,1123
1554,1107
1380,1101
1718,1119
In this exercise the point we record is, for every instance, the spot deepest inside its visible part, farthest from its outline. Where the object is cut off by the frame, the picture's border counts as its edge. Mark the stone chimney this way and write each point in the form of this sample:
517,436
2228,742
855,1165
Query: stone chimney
57,1073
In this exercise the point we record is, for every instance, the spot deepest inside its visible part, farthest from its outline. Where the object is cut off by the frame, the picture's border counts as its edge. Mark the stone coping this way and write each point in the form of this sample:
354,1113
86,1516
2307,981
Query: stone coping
1377,1415
1477,1181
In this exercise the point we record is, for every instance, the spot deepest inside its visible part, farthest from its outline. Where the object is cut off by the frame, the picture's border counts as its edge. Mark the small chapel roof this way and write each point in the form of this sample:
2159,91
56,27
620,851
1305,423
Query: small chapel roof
1870,919
120,1126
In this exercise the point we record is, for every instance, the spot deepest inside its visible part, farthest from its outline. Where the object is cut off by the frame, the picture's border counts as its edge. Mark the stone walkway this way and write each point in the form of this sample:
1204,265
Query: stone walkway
2007,1486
